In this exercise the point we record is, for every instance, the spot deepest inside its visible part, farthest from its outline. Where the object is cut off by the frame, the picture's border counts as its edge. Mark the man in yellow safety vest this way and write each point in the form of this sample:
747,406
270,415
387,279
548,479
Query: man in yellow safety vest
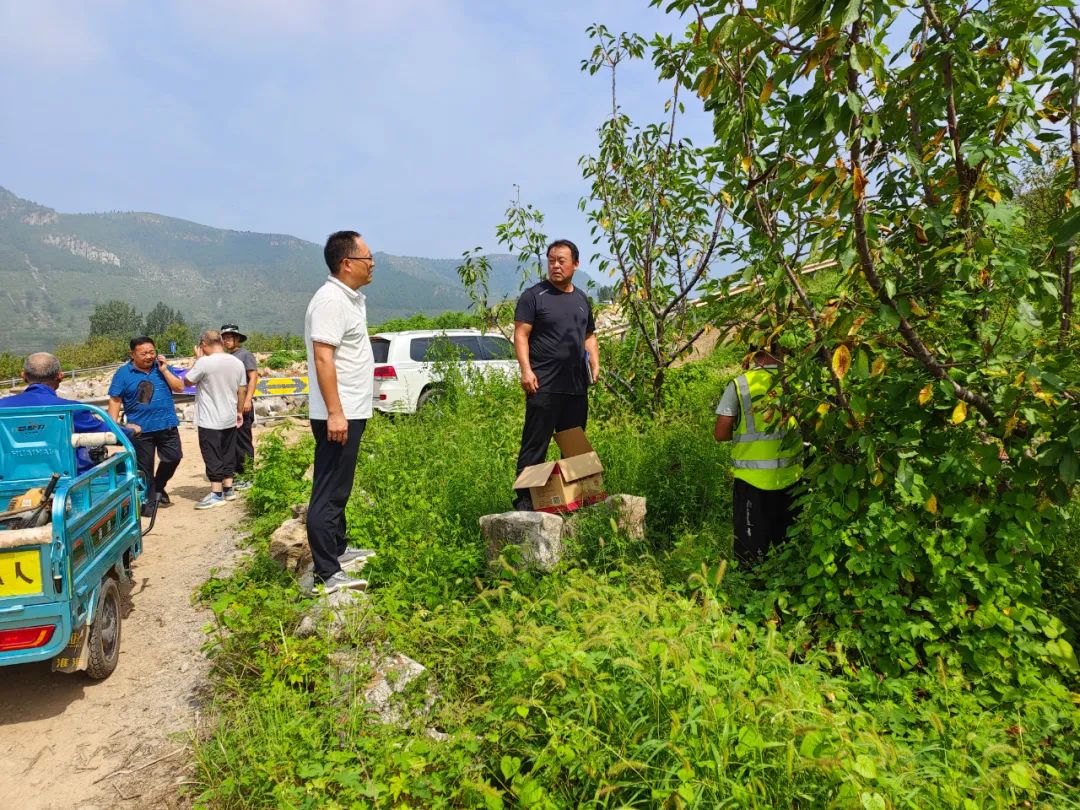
766,458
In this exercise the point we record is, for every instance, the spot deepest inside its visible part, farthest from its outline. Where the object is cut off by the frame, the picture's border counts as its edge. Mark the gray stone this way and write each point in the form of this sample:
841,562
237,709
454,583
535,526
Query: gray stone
333,614
289,547
309,473
299,511
628,512
538,537
387,691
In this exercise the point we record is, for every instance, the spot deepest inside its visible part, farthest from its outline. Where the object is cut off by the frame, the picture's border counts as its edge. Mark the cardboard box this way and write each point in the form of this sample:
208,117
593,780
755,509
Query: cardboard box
574,481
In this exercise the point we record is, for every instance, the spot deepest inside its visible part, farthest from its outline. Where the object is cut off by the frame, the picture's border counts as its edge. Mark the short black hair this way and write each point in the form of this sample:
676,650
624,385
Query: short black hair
135,342
339,245
566,243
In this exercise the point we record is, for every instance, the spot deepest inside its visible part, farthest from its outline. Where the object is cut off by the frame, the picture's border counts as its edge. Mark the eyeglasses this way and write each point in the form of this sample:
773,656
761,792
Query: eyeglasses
358,258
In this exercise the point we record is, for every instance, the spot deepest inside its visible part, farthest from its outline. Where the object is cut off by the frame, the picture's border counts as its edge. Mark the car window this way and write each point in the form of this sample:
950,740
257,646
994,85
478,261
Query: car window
496,348
468,347
425,349
380,347
418,348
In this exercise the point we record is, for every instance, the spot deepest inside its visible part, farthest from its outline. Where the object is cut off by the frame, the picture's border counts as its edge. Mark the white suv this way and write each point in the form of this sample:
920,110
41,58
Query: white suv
405,378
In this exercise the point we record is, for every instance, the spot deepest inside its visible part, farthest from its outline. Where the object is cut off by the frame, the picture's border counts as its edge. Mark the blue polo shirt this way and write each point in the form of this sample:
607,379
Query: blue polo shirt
85,421
160,412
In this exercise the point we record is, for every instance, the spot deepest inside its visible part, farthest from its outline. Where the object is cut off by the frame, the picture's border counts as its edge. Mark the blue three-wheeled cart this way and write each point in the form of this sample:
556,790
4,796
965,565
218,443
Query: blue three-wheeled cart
67,541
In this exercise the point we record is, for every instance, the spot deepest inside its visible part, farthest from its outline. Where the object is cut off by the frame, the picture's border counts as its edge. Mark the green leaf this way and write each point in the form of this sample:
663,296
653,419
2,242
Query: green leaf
1068,468
865,767
1067,229
1020,775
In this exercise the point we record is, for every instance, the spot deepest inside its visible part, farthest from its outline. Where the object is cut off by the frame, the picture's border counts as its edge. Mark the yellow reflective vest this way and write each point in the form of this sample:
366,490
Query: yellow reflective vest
759,455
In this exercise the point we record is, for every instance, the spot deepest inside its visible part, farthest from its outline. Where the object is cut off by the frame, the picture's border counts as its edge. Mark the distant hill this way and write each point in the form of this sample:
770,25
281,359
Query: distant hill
55,267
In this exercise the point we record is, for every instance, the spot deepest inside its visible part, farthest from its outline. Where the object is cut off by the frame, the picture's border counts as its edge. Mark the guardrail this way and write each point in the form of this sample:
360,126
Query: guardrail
71,375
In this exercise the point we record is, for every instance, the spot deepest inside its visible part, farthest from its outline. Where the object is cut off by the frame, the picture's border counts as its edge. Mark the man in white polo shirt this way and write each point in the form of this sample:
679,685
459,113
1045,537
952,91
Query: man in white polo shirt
341,371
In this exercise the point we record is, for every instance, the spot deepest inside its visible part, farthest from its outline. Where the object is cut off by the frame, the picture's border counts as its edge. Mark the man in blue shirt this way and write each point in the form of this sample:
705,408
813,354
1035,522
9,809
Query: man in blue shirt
144,386
42,374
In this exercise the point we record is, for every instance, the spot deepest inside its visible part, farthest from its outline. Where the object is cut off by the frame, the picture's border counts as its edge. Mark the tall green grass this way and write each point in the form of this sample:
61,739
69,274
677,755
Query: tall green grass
631,677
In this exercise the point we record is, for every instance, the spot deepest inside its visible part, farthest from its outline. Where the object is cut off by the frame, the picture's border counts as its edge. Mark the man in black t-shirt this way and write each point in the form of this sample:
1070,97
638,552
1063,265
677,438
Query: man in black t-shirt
555,343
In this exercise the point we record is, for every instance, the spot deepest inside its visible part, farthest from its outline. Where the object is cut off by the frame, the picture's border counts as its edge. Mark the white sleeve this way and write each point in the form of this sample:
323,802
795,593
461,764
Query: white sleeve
729,402
327,323
197,372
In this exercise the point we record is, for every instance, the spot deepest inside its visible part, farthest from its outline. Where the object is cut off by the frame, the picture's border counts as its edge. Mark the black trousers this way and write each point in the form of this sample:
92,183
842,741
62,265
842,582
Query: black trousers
218,448
245,445
546,414
335,468
165,444
761,518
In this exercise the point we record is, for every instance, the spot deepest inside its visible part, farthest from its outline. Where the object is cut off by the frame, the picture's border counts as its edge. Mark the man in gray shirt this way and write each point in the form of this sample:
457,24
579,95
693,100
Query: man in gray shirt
220,390
231,339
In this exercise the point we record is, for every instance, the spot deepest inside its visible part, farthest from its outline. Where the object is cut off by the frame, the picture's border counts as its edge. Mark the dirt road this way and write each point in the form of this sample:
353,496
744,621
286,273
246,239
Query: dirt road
69,742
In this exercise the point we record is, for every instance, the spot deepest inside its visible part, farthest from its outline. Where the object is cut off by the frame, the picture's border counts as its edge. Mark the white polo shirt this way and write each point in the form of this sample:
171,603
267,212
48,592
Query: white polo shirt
337,316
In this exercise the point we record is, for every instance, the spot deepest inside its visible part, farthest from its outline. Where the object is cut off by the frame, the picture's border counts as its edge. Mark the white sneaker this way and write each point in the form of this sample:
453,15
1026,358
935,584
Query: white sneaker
342,581
351,554
211,500
229,493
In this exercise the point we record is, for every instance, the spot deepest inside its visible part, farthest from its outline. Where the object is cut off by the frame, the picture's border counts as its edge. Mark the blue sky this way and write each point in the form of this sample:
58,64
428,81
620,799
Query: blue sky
410,120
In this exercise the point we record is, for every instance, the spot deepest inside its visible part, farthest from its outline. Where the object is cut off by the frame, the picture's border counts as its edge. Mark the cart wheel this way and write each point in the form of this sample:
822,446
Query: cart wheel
104,638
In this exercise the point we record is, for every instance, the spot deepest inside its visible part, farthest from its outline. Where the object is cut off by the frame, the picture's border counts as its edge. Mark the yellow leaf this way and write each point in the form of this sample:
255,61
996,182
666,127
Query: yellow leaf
708,81
993,193
856,325
1010,426
841,361
766,91
931,504
878,367
823,408
959,413
925,394
915,308
1035,149
858,182
746,163
877,478
920,234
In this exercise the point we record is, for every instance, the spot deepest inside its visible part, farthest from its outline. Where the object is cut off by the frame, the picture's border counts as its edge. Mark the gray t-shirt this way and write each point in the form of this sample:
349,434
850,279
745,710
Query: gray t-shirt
217,378
729,400
247,358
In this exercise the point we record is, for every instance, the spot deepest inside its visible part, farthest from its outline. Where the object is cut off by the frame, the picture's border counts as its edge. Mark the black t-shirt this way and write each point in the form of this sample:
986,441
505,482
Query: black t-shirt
560,322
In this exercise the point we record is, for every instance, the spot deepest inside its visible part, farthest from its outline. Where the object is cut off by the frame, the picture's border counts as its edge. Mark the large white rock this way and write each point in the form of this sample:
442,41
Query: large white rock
538,537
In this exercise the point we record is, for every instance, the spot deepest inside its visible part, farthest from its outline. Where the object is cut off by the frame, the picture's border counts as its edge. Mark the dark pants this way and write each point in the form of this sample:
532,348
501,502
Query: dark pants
546,414
218,448
761,518
245,445
166,444
335,469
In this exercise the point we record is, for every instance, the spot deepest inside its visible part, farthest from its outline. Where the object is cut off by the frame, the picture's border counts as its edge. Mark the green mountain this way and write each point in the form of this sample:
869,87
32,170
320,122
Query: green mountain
54,268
